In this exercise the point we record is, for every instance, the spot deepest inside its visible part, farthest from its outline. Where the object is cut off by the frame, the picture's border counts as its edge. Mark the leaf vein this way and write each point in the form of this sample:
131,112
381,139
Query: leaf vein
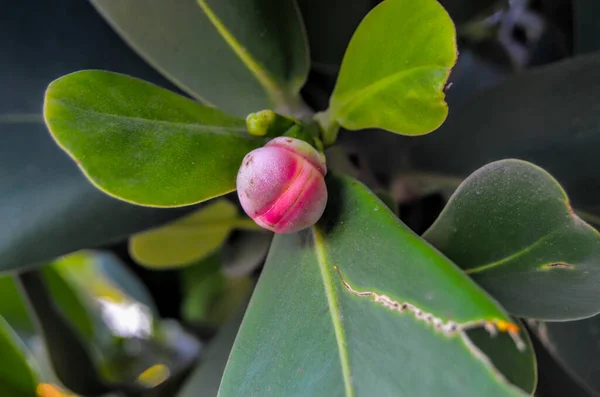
334,311
365,92
206,128
515,255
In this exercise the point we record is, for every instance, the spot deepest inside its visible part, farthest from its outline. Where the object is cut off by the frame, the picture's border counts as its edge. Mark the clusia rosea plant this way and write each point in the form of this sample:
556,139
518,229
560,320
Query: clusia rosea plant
350,301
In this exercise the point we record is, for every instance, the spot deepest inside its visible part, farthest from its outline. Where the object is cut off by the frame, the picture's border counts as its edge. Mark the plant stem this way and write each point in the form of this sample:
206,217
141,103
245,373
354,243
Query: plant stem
329,128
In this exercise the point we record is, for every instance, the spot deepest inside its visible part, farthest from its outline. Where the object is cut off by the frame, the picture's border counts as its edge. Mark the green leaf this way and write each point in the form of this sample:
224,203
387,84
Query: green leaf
361,306
575,345
144,144
186,240
546,116
519,370
241,56
395,69
511,228
17,377
49,209
587,33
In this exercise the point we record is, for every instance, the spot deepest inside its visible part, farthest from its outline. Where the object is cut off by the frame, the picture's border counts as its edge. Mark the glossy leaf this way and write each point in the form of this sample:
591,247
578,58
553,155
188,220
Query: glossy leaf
241,56
546,116
144,144
395,69
361,306
17,377
575,345
185,240
510,226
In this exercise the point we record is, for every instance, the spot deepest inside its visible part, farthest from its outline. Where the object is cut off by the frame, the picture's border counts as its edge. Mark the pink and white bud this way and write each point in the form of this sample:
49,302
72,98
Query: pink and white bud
282,185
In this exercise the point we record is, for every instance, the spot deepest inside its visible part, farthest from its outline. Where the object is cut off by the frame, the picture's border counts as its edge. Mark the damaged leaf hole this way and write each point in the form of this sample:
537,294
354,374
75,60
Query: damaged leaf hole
557,265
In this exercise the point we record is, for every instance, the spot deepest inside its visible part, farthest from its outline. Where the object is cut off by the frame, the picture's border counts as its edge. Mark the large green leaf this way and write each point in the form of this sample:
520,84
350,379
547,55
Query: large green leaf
587,32
576,347
361,306
395,69
17,377
241,55
549,116
145,144
510,226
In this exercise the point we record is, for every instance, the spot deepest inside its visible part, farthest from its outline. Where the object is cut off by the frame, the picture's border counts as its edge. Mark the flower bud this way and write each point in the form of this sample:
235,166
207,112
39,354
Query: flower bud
281,185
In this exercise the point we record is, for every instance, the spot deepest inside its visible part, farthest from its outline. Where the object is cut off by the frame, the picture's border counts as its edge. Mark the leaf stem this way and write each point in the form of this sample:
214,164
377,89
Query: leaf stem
329,127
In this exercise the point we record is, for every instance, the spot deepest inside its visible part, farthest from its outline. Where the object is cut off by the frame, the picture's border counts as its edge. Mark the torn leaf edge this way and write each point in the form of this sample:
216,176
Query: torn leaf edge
449,328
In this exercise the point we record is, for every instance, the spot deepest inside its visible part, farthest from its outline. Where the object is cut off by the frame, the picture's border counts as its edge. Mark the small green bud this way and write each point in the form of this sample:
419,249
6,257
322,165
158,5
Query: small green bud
269,123
259,123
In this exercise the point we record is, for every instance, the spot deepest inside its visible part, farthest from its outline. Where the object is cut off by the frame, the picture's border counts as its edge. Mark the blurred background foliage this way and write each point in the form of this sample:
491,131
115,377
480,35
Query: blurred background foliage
133,316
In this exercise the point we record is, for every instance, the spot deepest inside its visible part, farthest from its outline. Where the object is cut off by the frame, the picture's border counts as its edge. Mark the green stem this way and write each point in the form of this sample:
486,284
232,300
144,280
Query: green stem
329,128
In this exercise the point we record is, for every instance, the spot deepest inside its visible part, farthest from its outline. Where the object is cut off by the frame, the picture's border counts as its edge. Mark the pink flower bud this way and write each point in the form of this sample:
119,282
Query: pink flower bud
281,185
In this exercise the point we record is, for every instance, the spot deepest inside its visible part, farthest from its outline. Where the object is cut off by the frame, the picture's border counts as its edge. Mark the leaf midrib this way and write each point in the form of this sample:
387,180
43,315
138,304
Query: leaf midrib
260,73
374,87
199,128
514,255
334,311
